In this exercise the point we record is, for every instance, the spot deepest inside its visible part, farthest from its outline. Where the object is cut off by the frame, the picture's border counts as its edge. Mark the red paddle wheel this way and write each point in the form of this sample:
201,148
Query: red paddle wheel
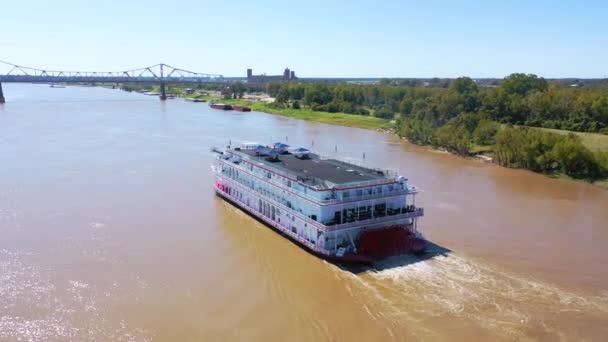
384,243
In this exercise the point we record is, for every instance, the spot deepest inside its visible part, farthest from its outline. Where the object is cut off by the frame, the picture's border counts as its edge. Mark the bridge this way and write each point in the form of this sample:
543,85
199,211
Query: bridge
158,74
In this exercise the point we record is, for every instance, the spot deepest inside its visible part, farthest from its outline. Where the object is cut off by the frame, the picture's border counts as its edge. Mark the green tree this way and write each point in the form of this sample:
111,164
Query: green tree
485,132
467,94
317,93
521,84
238,90
406,105
272,88
575,159
384,113
283,94
454,137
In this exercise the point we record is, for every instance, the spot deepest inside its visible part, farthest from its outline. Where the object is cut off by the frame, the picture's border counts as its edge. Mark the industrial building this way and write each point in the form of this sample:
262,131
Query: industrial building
288,75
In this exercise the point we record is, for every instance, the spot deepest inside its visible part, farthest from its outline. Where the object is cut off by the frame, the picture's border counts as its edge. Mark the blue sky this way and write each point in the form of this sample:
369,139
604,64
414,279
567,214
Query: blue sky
432,38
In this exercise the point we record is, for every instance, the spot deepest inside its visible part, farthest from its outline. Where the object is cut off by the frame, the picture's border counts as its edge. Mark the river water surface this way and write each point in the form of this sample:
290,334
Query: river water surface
109,230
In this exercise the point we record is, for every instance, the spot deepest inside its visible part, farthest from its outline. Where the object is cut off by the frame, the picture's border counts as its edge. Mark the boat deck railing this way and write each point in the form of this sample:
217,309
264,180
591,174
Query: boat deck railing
387,173
321,184
390,215
364,197
283,228
329,201
402,214
274,169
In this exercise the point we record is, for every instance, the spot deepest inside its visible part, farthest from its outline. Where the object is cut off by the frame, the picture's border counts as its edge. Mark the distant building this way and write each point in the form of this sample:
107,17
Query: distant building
288,75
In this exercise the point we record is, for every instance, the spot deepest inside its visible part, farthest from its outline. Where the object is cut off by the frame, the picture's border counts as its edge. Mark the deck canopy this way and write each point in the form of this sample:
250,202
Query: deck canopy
280,145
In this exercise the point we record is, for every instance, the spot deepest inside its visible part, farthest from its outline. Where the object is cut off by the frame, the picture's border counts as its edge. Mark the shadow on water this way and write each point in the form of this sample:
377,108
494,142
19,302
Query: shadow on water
432,251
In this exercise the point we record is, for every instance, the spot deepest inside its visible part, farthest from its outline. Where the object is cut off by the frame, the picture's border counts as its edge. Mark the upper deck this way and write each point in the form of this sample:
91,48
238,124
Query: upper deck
313,169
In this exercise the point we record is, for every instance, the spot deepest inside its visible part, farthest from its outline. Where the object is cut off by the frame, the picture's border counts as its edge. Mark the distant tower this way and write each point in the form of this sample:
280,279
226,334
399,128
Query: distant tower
286,74
249,75
293,75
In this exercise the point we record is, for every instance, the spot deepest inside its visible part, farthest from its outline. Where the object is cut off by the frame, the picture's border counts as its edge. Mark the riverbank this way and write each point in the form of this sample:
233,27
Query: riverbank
342,119
485,153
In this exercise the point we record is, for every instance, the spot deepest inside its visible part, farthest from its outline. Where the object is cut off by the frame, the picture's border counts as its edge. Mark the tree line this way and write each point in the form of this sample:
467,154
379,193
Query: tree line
518,99
460,114
465,116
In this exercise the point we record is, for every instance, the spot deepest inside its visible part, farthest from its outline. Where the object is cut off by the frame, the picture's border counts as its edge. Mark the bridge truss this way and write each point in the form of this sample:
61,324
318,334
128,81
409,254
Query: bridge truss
159,73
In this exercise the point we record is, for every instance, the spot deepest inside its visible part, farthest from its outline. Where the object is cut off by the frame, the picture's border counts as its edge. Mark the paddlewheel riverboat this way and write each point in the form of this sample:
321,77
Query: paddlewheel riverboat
336,209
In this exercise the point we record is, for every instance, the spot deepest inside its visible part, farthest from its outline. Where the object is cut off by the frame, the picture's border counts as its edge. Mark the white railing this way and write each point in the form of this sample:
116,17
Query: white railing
364,197
276,203
275,224
416,213
280,185
388,175
245,156
395,192
327,228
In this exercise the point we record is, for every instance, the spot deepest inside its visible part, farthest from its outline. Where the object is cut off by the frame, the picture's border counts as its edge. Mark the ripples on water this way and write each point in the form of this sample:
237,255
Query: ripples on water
268,287
452,286
414,298
35,308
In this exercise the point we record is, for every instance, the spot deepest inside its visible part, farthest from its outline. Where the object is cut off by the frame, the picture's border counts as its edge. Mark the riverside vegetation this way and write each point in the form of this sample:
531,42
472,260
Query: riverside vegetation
523,121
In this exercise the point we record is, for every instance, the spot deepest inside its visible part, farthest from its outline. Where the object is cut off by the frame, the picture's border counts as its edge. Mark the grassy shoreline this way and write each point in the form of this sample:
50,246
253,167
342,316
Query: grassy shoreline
368,122
341,119
593,141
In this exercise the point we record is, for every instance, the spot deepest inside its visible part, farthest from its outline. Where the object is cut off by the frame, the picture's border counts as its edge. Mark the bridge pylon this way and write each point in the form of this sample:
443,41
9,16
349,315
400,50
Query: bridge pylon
2,100
163,91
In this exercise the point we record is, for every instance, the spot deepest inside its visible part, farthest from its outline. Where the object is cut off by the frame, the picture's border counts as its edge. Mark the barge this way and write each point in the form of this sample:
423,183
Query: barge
241,108
221,106
193,99
340,211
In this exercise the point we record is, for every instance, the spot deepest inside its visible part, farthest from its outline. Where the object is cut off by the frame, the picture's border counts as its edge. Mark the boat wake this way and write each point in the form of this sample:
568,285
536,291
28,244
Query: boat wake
451,286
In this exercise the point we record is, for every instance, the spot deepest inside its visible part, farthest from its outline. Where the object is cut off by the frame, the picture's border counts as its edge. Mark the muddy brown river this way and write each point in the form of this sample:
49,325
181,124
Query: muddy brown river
110,230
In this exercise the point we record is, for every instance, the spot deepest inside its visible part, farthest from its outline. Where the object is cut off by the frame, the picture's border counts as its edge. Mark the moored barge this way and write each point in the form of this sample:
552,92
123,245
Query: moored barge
194,99
241,108
221,106
336,209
